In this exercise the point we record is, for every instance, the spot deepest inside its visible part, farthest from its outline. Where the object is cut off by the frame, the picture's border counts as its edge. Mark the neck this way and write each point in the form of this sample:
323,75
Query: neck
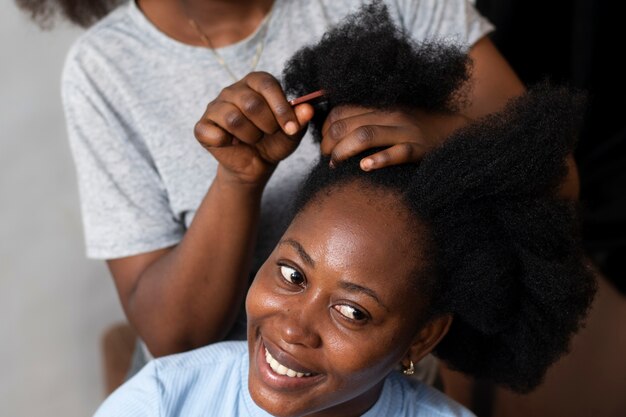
224,21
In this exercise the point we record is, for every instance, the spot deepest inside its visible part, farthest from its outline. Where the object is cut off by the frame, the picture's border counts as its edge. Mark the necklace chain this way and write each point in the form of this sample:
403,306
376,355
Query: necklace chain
209,45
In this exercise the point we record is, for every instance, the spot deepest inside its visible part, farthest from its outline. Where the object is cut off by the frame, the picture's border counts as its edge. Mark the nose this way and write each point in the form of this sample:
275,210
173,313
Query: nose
300,325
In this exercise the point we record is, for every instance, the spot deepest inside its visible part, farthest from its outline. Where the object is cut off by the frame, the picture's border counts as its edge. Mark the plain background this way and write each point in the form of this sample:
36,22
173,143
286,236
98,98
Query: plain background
54,304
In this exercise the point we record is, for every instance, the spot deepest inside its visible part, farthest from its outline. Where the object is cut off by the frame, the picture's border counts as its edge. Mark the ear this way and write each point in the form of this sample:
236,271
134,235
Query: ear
427,338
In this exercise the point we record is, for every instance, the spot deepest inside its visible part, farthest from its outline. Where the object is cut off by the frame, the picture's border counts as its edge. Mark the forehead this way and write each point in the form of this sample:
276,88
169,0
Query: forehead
365,232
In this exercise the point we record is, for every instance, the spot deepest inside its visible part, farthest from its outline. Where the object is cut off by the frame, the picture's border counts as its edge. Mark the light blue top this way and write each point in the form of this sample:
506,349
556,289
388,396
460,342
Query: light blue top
213,381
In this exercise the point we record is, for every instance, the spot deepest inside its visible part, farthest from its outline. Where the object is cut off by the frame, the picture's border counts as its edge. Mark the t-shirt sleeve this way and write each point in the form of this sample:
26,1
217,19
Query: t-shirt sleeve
138,397
455,21
125,206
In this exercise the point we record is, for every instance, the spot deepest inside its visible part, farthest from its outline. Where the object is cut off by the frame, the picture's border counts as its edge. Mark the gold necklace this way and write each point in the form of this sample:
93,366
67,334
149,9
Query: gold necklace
207,42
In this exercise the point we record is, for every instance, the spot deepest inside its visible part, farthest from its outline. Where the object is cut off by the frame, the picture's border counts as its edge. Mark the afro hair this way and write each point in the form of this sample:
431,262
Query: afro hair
370,62
504,255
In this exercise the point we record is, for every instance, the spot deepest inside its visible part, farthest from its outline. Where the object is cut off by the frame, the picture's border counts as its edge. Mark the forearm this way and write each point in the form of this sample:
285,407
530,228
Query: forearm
191,295
493,81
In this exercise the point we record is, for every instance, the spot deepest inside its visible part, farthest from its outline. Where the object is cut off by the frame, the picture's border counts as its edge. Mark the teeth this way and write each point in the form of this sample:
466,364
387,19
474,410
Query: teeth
281,369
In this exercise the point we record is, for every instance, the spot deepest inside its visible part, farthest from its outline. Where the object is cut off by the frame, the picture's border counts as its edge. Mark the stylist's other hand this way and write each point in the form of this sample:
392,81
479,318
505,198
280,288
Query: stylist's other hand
406,135
250,127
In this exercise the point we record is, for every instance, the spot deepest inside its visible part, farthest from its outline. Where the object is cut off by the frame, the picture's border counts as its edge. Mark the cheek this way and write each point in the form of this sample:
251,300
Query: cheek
369,355
254,299
261,299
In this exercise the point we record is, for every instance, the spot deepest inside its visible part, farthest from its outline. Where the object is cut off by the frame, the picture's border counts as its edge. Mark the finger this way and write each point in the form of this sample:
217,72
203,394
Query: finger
343,112
210,135
275,148
304,113
340,128
230,118
374,136
257,110
268,87
401,153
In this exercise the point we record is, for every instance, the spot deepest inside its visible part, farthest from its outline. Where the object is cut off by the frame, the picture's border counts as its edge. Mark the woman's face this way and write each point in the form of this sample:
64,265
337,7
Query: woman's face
333,310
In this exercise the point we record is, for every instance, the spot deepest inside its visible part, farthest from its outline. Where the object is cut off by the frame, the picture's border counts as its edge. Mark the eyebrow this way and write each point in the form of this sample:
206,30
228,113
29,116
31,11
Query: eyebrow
352,287
298,247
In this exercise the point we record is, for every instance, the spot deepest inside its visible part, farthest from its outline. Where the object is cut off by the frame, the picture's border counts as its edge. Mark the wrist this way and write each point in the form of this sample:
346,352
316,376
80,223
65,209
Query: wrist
252,186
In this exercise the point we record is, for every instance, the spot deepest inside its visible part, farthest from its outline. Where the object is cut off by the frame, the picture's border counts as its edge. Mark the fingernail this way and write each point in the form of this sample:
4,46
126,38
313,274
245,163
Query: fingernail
367,164
291,128
331,164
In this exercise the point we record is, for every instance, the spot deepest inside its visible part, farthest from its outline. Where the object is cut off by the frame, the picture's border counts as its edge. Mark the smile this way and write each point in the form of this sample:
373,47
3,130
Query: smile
281,369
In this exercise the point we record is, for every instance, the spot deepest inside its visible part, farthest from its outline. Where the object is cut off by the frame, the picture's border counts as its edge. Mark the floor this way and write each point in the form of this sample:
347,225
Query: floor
54,304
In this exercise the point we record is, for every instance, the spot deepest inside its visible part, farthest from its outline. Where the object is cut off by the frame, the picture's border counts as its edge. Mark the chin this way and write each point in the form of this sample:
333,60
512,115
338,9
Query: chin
277,407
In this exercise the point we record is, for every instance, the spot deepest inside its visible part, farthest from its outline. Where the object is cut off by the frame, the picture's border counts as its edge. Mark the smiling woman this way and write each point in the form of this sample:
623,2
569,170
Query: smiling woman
333,303
470,254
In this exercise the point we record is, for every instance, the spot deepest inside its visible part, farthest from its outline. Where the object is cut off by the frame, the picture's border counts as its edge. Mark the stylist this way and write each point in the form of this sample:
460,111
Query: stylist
181,228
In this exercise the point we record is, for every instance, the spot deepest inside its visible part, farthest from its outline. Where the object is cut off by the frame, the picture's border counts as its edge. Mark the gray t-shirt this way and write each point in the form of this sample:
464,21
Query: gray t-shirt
132,96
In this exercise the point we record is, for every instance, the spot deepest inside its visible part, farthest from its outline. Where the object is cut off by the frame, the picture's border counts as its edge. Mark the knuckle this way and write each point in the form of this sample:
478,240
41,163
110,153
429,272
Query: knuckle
211,104
383,158
267,82
211,108
335,156
234,119
408,151
365,134
259,75
335,114
337,129
252,104
281,109
229,90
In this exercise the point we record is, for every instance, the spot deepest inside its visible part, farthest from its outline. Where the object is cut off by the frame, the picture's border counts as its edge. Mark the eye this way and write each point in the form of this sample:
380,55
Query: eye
350,312
292,275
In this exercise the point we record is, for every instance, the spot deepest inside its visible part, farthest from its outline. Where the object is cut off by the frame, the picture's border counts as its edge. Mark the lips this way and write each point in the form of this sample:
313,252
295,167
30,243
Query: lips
278,371
281,369
282,364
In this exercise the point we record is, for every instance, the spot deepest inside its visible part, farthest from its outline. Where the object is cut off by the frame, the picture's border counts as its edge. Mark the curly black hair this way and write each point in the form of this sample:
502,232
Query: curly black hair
369,61
80,12
503,251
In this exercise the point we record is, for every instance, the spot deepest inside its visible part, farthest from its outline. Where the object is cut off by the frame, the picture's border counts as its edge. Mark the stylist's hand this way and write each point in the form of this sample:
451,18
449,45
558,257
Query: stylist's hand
406,135
250,127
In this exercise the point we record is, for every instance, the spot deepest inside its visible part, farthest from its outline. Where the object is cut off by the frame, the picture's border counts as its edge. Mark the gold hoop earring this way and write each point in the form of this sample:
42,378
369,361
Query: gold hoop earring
410,370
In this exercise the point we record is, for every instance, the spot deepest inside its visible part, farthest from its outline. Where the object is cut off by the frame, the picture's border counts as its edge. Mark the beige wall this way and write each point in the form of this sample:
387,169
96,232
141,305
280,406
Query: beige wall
54,304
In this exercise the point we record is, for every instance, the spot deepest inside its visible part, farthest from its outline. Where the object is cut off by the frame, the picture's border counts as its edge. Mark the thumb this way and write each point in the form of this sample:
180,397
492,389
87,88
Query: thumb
304,113
277,147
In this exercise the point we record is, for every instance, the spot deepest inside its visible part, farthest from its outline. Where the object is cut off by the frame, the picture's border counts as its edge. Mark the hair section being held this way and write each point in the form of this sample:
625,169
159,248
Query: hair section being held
368,61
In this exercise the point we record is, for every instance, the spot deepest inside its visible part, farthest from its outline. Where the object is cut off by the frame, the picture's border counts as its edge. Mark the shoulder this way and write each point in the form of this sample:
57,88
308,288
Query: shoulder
411,398
110,43
213,361
424,8
108,29
178,384
454,20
